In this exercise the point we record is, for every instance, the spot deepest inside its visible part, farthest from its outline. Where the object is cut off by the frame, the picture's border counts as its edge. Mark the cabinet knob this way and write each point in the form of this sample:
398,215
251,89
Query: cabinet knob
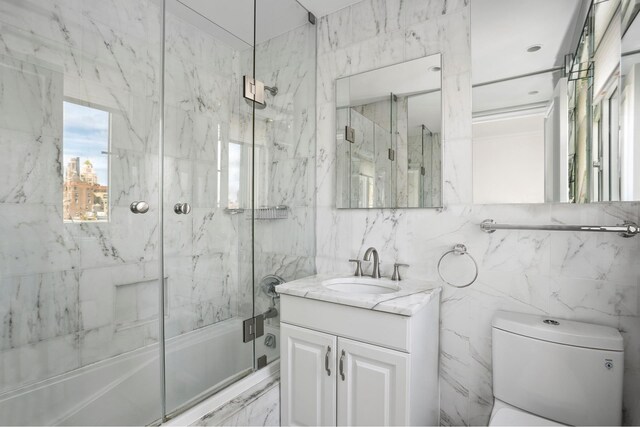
342,365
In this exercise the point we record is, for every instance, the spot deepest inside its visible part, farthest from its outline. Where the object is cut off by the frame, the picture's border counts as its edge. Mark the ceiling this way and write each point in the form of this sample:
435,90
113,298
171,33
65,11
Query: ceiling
401,79
426,110
502,30
324,7
514,93
408,78
235,23
501,33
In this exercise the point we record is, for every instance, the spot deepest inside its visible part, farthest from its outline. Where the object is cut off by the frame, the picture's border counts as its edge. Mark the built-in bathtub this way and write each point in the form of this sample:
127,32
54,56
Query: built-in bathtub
125,390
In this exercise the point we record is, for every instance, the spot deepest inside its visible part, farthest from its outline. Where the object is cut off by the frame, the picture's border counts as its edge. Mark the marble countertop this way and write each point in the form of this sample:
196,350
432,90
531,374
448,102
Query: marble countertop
410,297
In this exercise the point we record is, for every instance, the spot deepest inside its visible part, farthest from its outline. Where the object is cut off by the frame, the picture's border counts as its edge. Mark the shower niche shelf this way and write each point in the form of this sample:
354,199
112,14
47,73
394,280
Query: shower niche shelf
263,213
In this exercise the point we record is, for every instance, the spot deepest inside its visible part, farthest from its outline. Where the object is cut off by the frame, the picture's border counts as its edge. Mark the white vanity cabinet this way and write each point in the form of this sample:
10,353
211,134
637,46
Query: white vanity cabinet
344,365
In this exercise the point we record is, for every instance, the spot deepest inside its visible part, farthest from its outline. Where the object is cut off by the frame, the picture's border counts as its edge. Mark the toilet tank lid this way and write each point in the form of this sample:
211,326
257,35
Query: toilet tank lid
559,330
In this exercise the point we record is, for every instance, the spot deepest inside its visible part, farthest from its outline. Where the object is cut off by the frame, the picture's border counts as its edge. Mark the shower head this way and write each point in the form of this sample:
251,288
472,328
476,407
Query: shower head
272,90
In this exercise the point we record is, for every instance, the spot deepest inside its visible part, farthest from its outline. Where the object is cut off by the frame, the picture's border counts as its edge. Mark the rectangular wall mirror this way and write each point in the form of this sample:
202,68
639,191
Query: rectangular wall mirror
556,104
388,136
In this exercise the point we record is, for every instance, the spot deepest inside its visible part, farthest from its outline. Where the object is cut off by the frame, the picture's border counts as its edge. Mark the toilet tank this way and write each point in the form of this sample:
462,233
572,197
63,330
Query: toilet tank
565,371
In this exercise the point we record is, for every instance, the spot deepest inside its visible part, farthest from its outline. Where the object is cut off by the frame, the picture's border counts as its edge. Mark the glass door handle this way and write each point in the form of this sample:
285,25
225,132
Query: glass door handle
182,208
139,207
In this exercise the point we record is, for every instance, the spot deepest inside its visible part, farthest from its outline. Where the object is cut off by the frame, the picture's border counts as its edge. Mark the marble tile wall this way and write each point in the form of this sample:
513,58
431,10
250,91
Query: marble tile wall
587,277
59,281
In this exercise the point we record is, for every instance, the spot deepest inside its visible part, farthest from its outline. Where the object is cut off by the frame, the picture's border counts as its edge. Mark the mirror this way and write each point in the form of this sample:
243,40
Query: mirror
630,101
388,136
553,121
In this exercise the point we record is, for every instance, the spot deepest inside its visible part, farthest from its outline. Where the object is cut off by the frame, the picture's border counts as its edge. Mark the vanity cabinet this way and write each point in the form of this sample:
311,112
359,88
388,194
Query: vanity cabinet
344,365
329,380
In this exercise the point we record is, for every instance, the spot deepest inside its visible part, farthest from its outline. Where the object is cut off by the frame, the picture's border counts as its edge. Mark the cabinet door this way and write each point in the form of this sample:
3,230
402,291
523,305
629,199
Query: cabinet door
308,361
373,387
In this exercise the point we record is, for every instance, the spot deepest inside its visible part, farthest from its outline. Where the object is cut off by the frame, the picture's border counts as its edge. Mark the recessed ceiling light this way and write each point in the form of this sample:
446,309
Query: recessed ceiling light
435,69
534,48
534,92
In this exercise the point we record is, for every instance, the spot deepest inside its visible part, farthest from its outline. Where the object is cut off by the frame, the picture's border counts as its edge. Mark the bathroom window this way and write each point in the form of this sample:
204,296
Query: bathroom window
85,144
239,175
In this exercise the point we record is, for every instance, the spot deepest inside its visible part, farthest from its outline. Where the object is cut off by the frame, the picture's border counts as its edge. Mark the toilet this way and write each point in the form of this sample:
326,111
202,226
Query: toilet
555,372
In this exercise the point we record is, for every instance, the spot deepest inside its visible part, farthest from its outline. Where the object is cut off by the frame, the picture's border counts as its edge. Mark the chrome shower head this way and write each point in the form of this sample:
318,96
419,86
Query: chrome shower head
272,90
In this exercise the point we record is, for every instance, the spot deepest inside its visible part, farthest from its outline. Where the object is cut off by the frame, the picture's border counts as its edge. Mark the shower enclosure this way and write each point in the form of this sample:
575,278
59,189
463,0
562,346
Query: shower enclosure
143,200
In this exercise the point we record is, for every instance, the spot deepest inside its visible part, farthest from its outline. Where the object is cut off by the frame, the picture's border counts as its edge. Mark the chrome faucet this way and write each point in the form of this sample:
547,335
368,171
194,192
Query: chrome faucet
376,261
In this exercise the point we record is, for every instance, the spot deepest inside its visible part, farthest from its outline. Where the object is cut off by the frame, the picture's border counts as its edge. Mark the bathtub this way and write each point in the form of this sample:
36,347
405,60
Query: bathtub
125,390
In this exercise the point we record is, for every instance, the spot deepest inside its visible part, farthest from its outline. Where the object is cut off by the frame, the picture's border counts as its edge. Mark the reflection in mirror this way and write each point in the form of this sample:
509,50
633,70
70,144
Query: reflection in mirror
546,79
389,125
630,101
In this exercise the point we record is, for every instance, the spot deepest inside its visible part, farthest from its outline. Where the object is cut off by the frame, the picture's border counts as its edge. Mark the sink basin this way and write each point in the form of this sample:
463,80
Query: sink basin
357,285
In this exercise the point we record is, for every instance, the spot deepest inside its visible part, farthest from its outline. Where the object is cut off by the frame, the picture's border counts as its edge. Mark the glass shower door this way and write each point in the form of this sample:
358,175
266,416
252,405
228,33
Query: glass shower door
79,270
207,199
284,160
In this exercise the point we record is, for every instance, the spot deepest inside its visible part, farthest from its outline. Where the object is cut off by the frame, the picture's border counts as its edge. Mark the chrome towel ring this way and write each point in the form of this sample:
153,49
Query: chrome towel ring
458,249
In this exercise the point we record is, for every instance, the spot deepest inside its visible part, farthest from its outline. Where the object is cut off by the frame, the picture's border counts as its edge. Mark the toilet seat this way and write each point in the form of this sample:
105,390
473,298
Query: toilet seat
504,414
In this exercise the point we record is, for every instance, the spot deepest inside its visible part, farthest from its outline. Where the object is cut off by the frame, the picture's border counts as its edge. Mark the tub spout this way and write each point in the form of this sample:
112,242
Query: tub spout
271,312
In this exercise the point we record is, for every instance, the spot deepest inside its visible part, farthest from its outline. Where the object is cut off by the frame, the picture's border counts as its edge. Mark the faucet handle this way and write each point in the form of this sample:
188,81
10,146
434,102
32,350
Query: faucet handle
358,262
396,271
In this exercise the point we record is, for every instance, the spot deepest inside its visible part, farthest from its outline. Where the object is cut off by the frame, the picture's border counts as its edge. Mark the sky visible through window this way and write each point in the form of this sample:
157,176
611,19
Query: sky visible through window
86,135
86,163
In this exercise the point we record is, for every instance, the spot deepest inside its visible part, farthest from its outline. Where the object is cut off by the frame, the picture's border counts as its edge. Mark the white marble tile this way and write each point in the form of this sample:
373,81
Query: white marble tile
38,307
417,11
264,411
383,50
334,31
29,101
36,178
374,17
43,359
258,406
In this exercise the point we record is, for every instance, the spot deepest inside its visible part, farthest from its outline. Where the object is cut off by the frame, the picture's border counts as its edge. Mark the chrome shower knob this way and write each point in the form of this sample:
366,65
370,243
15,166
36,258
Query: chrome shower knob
182,208
139,207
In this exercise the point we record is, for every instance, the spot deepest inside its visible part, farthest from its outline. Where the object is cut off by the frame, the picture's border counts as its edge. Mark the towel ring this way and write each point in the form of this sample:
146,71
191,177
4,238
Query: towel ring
458,249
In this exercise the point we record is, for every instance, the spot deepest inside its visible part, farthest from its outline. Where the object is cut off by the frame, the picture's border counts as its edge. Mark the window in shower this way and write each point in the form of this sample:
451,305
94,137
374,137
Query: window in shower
86,163
239,175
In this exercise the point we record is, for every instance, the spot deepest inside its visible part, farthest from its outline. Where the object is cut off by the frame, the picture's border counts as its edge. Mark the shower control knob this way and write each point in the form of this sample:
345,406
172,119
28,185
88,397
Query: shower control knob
182,208
140,207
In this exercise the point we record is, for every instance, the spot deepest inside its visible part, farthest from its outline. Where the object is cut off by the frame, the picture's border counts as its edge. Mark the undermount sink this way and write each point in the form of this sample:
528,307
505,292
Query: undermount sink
357,285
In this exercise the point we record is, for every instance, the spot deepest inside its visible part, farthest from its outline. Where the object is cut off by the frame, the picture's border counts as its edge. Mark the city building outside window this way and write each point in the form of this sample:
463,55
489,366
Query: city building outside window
86,160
